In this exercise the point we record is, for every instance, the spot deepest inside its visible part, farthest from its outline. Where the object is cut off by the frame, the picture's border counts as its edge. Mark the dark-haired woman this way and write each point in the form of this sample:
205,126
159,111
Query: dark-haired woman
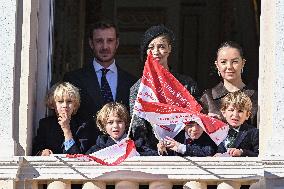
230,63
159,40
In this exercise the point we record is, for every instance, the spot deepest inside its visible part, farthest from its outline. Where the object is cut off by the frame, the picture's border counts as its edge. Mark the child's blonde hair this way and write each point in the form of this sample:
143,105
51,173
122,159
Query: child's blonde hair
58,90
238,99
114,108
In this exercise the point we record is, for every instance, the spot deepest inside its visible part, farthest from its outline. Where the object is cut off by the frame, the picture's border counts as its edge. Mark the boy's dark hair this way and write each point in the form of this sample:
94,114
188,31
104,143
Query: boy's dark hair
103,24
231,44
152,33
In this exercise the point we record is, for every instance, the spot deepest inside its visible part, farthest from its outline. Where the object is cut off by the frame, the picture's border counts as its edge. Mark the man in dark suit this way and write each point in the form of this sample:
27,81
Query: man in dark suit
102,80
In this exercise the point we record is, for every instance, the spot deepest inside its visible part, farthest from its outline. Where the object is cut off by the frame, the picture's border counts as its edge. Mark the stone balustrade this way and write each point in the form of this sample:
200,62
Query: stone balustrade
156,172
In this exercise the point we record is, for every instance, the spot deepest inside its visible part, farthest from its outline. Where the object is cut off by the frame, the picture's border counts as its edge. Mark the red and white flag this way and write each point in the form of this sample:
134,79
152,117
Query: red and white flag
112,155
164,102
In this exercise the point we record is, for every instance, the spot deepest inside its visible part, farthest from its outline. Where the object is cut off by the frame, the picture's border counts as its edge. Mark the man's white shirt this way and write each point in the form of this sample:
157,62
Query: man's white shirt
111,76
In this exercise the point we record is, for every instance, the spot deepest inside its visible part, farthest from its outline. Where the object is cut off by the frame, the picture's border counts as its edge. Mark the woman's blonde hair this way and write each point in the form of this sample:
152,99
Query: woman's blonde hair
238,99
114,108
58,90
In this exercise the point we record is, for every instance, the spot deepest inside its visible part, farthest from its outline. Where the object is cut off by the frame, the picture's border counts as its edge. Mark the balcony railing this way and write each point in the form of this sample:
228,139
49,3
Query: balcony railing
156,172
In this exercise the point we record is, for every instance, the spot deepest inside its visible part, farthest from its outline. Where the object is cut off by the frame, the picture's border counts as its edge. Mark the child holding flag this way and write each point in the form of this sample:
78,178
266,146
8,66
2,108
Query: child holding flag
113,121
242,139
195,143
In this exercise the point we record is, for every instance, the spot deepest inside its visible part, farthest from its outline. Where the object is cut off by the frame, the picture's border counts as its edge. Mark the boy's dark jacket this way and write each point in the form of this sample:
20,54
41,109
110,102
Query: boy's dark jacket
50,136
247,140
102,142
201,147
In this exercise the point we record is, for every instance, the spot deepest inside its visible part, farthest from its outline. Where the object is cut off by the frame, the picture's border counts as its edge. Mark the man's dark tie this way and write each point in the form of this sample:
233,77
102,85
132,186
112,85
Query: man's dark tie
105,88
232,135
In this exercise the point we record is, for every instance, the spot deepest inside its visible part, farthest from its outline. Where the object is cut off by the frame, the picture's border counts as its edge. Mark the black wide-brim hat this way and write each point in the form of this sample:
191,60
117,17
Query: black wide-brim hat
151,34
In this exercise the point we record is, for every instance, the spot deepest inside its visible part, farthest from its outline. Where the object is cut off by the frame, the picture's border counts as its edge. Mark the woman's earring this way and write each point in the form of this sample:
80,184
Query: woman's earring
242,70
219,73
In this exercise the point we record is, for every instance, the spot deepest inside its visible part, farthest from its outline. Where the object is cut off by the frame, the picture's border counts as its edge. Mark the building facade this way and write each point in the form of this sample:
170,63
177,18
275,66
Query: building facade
25,52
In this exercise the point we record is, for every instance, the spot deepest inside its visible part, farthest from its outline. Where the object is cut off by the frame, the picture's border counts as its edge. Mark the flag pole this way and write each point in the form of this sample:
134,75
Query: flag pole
130,126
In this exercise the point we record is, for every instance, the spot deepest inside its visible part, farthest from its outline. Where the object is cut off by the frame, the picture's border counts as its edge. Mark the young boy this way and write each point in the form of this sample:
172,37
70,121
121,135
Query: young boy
242,139
195,143
113,120
62,133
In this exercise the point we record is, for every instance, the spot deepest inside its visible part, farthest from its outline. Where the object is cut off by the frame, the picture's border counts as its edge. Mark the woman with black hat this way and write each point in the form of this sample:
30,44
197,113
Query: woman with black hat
160,41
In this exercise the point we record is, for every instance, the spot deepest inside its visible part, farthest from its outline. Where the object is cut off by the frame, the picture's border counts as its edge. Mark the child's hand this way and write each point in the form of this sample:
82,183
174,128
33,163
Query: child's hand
234,152
64,122
171,144
46,152
161,148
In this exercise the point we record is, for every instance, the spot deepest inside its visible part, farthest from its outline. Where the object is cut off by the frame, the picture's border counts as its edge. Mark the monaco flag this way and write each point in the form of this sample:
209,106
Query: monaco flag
112,155
164,102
